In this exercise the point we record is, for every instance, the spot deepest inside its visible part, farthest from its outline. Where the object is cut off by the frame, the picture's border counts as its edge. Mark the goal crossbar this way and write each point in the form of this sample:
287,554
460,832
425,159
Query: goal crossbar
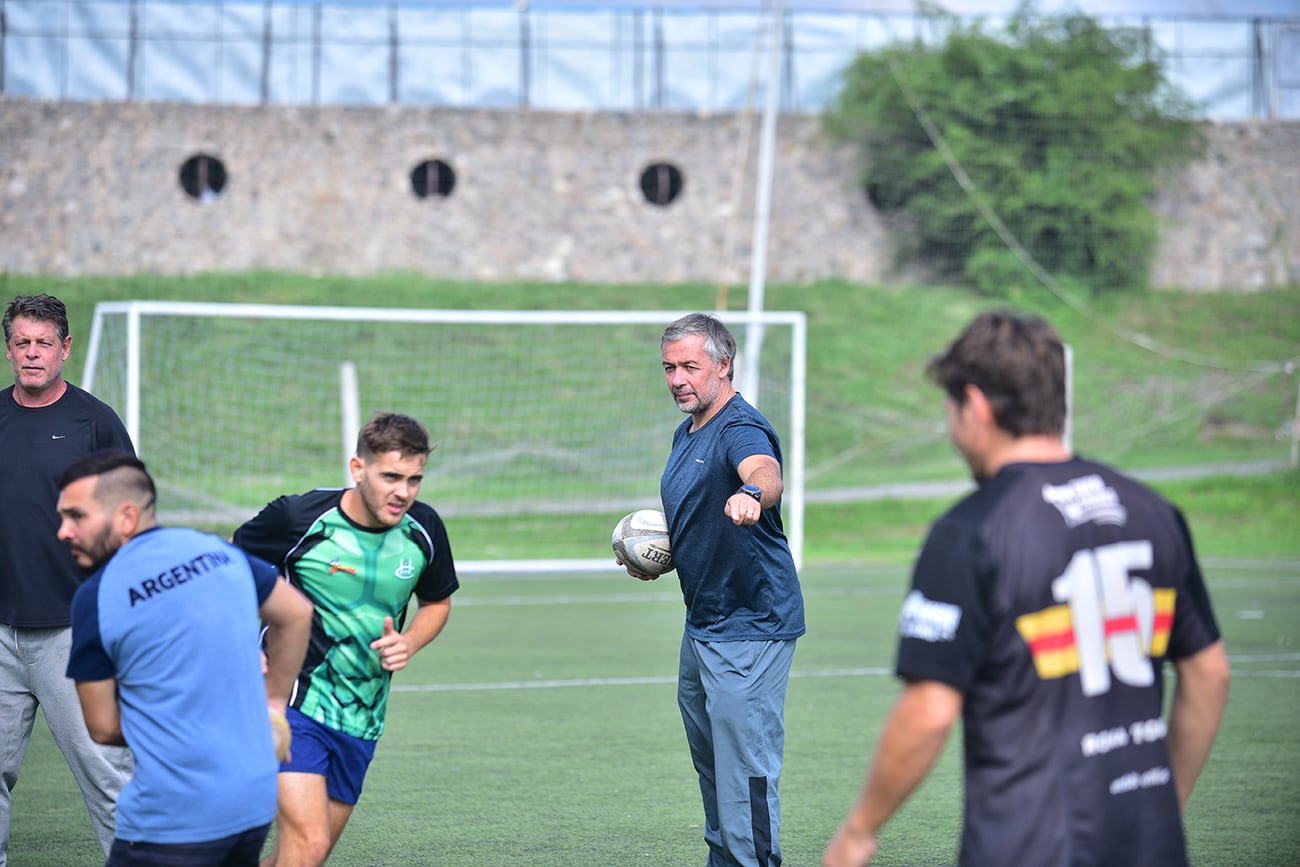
148,376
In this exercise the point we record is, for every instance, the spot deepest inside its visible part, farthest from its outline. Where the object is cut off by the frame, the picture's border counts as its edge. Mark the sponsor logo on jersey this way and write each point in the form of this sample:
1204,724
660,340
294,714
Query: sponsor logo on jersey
1085,499
1131,782
338,566
405,570
1146,731
928,620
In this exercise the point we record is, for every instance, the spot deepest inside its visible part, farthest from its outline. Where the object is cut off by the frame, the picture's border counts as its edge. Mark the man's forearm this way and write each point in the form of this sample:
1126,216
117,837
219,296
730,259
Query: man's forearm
910,743
428,622
1195,714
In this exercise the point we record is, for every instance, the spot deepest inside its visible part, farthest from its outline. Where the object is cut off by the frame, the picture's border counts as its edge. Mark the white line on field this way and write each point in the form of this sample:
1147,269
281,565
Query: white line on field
616,573
571,598
1263,657
533,684
863,570
1266,564
652,596
583,682
611,681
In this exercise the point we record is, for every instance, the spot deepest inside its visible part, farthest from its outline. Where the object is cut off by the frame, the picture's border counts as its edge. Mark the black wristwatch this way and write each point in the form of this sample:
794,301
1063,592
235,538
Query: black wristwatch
753,491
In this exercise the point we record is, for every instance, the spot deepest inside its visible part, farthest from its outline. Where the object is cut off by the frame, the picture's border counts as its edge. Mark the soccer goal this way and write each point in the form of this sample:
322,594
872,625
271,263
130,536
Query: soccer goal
551,425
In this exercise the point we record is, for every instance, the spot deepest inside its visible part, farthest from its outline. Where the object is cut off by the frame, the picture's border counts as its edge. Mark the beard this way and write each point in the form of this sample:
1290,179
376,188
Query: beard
95,552
376,504
701,403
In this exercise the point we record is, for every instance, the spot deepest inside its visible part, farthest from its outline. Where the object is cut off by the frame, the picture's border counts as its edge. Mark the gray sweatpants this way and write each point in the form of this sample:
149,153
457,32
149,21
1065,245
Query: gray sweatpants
33,671
732,698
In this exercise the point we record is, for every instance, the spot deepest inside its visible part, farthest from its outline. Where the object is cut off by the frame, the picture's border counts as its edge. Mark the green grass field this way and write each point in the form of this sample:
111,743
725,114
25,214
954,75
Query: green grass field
542,729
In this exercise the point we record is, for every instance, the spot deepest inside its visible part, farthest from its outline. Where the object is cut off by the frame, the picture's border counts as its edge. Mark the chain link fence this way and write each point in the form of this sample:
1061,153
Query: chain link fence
617,56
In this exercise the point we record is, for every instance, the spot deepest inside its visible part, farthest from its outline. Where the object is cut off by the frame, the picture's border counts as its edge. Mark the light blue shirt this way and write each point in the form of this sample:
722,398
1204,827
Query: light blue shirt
173,617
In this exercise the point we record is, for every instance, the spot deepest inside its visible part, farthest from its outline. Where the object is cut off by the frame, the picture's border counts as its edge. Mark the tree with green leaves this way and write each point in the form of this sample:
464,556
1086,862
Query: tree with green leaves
1038,146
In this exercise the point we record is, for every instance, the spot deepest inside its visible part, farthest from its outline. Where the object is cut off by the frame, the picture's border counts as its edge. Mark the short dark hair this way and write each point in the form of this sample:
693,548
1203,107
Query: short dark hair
1017,361
41,308
719,345
391,432
121,474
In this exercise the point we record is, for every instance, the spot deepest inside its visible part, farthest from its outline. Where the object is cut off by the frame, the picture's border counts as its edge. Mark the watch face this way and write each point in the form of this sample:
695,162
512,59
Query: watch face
753,491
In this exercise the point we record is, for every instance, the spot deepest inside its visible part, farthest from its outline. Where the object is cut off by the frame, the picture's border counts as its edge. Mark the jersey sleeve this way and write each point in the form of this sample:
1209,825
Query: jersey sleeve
88,660
264,576
945,621
110,433
745,438
1195,627
266,535
439,578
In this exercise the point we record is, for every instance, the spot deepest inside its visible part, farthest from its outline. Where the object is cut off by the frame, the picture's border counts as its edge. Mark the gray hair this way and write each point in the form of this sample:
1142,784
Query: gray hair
718,342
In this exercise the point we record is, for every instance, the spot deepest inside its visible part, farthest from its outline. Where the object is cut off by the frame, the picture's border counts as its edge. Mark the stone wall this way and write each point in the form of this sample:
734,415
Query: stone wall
93,189
1232,219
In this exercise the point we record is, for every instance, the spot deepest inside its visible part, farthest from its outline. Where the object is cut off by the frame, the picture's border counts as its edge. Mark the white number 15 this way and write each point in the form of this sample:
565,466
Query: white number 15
1112,612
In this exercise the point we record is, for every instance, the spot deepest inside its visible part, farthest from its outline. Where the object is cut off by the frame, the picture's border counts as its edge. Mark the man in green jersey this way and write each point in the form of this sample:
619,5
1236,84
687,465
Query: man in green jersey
359,554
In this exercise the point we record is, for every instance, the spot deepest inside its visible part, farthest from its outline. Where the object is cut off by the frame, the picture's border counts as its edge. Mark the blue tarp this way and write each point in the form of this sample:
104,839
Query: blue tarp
603,55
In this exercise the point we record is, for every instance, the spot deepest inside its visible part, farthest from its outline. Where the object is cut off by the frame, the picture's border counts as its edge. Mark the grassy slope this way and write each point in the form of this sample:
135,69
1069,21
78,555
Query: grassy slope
1243,516
873,419
872,416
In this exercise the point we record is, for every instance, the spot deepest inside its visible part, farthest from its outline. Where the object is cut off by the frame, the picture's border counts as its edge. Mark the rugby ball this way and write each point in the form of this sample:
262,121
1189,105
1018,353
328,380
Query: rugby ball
640,542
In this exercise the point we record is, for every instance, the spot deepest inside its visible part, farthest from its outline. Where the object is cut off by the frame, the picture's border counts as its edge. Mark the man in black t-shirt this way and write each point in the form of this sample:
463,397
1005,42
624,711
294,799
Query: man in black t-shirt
46,424
1042,609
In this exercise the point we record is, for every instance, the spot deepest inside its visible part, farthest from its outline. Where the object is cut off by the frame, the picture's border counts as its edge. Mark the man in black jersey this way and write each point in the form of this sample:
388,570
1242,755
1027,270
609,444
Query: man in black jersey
46,424
1042,610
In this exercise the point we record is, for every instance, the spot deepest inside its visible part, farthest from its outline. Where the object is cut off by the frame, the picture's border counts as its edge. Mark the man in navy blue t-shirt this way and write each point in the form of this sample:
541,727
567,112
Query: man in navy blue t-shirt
46,423
166,659
1042,610
721,492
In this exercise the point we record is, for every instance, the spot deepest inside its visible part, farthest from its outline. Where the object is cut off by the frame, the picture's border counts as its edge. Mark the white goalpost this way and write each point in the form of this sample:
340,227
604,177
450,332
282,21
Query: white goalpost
551,425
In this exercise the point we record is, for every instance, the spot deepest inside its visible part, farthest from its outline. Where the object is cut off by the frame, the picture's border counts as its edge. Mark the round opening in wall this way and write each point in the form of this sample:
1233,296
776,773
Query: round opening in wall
432,178
661,183
203,177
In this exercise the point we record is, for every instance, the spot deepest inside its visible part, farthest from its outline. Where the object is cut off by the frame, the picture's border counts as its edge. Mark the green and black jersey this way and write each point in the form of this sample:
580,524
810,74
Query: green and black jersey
355,576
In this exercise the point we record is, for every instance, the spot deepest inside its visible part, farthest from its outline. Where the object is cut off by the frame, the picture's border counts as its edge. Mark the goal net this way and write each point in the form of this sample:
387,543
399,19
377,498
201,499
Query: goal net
551,425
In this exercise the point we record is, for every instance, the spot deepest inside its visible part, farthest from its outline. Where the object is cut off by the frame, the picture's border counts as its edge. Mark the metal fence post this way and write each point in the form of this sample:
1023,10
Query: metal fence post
394,63
264,86
315,55
3,31
132,50
525,57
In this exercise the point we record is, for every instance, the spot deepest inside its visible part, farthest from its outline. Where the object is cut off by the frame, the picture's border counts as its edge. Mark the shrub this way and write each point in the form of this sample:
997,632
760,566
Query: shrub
1060,125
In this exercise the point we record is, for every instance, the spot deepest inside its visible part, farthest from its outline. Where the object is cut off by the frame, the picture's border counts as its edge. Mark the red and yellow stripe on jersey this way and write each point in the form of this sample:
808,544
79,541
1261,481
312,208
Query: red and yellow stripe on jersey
1050,633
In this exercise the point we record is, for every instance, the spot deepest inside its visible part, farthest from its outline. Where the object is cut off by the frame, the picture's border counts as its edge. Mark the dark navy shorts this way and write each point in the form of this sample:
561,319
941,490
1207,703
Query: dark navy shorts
238,850
340,758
